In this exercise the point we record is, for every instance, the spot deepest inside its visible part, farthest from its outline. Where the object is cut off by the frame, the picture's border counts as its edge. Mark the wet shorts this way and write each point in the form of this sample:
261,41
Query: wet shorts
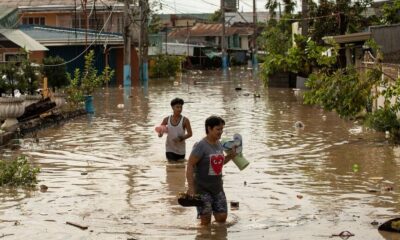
213,203
174,157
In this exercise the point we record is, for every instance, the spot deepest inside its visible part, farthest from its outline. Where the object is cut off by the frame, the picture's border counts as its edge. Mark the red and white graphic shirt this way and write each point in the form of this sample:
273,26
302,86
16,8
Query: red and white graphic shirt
216,164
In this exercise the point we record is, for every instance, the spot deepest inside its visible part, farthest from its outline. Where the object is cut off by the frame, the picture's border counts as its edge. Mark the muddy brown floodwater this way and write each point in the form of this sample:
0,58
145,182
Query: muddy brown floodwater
108,171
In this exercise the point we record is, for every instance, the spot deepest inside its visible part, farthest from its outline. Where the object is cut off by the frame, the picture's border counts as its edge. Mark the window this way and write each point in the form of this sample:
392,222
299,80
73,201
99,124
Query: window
14,57
33,21
94,23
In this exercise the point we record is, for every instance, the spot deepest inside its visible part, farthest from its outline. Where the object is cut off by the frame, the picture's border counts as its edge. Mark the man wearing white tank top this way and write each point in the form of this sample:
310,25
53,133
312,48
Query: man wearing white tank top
179,130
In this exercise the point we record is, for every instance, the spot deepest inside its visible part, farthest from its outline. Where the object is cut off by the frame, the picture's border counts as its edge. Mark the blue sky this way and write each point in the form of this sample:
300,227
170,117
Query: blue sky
205,6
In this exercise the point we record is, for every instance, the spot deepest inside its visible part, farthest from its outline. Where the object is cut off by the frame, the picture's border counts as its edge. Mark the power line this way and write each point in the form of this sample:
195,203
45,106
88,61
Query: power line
87,48
174,9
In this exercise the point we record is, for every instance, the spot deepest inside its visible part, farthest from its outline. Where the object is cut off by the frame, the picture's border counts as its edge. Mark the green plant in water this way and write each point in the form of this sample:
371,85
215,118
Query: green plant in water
383,119
18,172
165,66
87,81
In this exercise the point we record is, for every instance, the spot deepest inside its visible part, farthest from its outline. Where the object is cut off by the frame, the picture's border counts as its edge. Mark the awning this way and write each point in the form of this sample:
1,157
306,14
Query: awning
350,38
21,39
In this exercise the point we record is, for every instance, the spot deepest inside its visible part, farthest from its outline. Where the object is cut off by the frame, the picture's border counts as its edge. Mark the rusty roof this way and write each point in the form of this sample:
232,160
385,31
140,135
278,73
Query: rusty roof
213,29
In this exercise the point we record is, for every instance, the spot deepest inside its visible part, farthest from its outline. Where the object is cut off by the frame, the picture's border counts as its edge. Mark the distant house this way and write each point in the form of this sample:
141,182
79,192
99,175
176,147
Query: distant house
67,28
246,17
189,20
70,13
70,44
208,39
15,44
211,35
182,20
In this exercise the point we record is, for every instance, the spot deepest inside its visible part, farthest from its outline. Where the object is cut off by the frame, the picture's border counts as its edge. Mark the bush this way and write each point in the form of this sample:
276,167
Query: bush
55,70
86,81
18,172
165,66
383,120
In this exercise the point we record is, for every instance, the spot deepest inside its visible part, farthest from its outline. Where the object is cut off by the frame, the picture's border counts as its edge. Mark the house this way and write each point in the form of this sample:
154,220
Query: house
68,27
210,36
93,15
182,20
71,44
15,44
354,45
246,17
8,16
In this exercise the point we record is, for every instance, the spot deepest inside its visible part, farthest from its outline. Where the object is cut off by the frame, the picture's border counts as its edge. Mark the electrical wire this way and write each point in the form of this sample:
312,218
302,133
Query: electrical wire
88,47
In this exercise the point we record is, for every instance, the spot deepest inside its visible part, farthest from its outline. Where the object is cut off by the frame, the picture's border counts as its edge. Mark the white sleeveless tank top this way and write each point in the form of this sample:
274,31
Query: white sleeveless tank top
173,132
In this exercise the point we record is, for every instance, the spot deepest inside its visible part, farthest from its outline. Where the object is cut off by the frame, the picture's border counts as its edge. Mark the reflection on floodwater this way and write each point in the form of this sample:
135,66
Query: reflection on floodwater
108,170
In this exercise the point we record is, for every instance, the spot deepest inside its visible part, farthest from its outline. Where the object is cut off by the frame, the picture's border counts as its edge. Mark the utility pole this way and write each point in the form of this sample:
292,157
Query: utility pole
127,44
255,63
188,38
85,15
223,40
304,13
143,41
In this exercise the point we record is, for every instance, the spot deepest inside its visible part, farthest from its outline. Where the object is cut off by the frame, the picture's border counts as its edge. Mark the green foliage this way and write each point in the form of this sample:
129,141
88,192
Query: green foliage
216,16
10,77
31,76
302,58
343,90
165,66
18,172
330,18
55,70
383,119
391,12
74,92
15,75
86,82
155,24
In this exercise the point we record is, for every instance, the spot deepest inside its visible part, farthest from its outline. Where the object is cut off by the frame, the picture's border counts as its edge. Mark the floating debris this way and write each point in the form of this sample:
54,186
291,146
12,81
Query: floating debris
77,225
43,188
234,204
299,124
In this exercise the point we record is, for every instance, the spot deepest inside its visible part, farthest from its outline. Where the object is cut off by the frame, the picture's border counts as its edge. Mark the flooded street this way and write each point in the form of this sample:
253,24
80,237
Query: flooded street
108,171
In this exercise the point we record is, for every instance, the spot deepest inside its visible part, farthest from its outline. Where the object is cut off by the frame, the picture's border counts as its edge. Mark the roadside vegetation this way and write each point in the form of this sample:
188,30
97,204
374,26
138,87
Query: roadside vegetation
165,66
348,90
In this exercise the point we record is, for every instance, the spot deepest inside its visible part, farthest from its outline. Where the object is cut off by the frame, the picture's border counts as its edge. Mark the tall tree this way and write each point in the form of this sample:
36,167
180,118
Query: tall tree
391,12
338,18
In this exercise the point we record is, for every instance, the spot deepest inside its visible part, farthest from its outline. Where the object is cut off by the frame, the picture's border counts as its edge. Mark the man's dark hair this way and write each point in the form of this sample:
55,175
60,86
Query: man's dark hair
213,121
176,101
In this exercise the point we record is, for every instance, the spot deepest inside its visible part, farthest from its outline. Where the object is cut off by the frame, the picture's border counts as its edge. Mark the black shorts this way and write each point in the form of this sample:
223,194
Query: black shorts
174,157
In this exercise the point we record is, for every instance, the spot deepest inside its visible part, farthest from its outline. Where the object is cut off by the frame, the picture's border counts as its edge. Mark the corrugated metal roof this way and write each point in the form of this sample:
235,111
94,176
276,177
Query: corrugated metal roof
22,40
4,11
52,36
214,29
350,38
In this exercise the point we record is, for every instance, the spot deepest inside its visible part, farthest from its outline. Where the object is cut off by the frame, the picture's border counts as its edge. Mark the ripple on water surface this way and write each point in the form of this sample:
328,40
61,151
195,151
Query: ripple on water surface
108,170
